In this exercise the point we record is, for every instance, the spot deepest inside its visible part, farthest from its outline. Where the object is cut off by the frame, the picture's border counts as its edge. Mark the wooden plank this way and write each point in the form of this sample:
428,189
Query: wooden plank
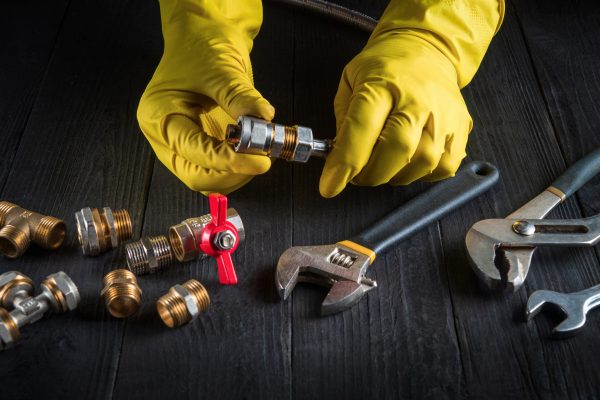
29,34
240,347
399,341
502,356
81,147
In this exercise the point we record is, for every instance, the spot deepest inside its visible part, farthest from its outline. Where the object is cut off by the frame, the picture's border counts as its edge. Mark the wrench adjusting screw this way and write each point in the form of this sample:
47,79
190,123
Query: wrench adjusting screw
525,228
183,303
99,231
121,293
20,227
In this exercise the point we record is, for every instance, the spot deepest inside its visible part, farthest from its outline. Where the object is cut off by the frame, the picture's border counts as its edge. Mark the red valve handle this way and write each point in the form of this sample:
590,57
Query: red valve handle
218,225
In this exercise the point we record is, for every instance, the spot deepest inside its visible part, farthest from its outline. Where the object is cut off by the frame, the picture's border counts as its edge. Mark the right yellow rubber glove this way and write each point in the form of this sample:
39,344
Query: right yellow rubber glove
399,111
202,84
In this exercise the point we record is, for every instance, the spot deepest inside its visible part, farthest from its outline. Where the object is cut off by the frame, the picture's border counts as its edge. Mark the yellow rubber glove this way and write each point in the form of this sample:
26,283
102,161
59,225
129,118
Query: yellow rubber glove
204,82
399,111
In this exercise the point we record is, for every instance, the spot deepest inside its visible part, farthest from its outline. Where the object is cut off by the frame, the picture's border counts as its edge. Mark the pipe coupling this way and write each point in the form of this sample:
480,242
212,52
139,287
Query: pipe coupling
292,143
121,293
183,303
148,255
59,294
99,231
186,236
20,227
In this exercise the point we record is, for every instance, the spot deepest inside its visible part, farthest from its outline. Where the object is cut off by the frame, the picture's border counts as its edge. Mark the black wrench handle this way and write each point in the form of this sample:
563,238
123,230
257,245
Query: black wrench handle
470,181
578,174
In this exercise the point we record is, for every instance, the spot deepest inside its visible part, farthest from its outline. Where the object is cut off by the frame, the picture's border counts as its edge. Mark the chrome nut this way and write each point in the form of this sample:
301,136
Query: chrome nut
11,283
114,239
304,145
224,240
68,289
86,232
9,333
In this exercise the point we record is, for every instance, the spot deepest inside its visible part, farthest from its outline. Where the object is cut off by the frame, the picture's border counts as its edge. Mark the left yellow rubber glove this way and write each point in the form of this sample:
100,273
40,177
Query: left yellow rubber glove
202,84
399,111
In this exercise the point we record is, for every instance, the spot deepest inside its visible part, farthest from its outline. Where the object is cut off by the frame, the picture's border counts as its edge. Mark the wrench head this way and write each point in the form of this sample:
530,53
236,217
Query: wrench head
499,268
334,265
571,305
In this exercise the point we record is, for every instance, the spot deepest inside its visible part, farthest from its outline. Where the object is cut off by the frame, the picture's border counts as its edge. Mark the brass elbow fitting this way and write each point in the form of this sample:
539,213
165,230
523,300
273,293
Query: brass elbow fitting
20,227
184,237
59,294
183,303
148,255
100,231
121,293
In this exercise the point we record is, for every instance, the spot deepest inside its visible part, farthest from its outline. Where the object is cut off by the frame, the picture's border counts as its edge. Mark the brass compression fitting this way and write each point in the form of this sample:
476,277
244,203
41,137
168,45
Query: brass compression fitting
59,294
99,231
121,293
292,143
183,303
20,227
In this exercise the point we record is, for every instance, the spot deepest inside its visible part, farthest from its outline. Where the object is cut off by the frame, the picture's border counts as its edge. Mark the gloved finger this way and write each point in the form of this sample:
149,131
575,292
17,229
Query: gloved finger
394,149
367,112
426,157
201,179
341,101
454,151
237,96
185,137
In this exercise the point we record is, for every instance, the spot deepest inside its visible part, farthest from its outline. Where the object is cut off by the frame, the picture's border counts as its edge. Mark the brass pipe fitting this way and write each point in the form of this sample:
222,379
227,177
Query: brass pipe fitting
59,294
148,255
121,293
185,236
100,231
20,227
183,303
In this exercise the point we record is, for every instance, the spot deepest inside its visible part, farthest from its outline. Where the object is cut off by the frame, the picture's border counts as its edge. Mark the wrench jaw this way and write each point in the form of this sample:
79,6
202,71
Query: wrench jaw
315,264
499,269
559,302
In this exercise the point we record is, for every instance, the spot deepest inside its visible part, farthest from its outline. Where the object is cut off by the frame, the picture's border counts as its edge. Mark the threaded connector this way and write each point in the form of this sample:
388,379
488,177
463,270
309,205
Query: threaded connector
292,143
20,227
148,255
183,303
186,236
121,293
99,231
59,294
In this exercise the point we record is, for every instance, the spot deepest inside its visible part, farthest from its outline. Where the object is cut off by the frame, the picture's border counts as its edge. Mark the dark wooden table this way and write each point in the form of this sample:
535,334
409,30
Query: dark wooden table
71,74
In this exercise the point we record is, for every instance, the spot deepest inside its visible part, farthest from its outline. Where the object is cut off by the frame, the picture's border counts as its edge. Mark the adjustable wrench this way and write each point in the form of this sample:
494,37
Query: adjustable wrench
504,266
343,265
574,306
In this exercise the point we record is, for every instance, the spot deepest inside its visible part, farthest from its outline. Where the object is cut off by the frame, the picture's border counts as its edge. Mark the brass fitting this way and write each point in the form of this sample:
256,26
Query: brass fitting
100,231
20,227
59,294
183,303
121,293
184,237
148,255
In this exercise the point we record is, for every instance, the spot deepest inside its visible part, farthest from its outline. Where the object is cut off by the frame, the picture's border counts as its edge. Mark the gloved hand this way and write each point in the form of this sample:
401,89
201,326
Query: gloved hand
204,82
399,111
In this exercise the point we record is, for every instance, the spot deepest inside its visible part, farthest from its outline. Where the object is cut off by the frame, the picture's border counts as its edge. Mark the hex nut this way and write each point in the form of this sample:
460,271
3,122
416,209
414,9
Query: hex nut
305,144
192,307
114,239
86,231
67,287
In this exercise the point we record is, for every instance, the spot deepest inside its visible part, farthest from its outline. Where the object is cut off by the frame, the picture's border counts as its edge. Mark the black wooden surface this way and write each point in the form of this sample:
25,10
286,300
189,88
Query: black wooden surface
71,74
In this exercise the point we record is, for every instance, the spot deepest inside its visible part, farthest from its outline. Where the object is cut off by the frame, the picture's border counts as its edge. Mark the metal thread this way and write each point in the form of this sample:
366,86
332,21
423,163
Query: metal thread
148,255
5,208
123,224
343,260
13,241
50,232
173,309
121,293
176,245
290,140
